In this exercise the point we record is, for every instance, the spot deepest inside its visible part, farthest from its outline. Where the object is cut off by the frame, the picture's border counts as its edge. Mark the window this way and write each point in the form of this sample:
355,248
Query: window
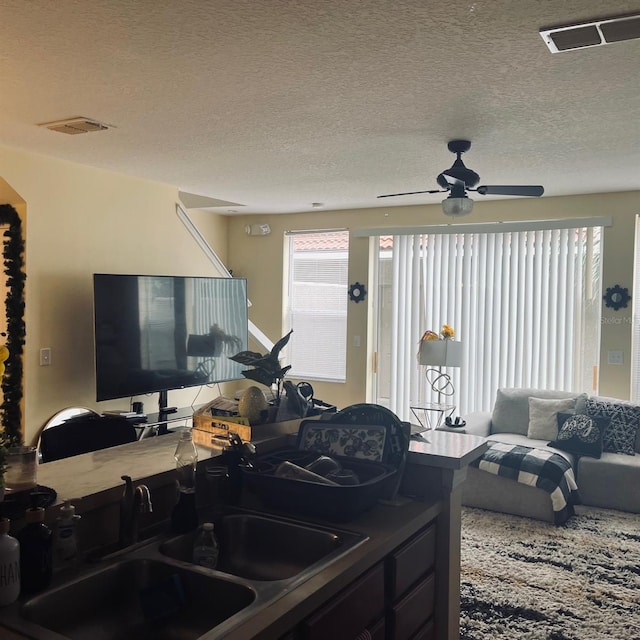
316,298
525,304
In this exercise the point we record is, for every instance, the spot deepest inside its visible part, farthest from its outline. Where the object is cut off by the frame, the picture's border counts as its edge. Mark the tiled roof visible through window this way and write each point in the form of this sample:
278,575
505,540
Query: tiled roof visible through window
327,241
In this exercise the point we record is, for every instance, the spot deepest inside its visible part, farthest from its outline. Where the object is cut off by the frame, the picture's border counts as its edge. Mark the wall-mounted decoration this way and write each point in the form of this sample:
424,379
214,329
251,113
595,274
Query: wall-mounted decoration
616,297
357,292
13,258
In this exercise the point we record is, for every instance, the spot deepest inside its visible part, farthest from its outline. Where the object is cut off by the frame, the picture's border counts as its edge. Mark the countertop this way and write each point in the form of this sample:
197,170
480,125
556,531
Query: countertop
94,479
87,478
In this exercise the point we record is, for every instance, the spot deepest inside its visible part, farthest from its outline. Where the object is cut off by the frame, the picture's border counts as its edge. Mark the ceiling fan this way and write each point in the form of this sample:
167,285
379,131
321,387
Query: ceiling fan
457,180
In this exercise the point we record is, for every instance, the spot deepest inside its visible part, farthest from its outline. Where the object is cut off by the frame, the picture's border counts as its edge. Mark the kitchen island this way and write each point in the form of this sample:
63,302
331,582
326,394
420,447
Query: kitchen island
403,582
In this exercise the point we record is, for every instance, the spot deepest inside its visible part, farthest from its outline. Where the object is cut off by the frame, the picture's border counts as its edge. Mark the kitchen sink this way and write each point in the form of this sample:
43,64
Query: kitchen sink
153,590
139,598
260,547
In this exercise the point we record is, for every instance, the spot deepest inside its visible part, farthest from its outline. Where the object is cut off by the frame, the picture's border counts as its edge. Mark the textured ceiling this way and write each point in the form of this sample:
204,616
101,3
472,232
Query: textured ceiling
276,104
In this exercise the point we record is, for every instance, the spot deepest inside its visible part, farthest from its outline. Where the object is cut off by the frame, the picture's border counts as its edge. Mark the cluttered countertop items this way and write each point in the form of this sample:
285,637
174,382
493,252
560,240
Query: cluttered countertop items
357,459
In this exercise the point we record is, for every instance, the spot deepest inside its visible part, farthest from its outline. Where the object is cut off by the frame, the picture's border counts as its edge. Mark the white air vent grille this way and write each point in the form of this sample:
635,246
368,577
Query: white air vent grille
591,34
76,125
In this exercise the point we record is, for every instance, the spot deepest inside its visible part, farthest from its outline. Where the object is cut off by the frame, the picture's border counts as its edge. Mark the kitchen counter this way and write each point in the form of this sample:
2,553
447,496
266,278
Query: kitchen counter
432,477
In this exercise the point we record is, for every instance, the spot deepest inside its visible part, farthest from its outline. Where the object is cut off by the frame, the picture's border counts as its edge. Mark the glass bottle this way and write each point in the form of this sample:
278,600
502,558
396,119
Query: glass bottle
184,517
35,540
186,457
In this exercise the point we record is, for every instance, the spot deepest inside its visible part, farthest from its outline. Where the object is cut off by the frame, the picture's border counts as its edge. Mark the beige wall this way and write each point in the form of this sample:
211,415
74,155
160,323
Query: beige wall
259,259
83,220
80,221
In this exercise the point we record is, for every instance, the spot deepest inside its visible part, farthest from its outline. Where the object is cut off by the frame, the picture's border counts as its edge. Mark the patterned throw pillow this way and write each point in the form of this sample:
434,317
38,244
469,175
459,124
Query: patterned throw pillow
620,436
580,434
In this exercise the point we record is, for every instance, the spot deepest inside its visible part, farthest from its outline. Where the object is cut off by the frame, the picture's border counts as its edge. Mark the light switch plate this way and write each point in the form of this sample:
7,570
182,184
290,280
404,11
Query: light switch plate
615,357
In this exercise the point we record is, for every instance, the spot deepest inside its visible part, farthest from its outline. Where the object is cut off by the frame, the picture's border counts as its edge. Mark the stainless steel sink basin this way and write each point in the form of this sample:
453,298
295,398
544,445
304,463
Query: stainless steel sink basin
152,590
139,598
261,547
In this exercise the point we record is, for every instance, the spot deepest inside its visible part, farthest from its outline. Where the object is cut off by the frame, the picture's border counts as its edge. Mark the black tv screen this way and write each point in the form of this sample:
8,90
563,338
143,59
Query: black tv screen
157,333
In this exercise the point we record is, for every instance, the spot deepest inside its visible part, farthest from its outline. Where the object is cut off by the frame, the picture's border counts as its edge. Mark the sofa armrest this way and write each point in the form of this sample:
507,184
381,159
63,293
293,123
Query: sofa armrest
478,423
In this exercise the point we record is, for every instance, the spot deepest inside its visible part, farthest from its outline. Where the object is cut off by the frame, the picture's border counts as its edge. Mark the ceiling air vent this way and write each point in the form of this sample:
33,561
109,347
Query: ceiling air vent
591,34
72,126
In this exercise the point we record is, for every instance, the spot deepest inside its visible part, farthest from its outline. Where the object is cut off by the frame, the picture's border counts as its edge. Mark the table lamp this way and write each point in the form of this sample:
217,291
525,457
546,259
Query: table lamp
440,353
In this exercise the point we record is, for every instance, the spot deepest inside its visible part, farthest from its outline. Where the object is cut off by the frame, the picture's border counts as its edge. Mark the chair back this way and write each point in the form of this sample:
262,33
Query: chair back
83,434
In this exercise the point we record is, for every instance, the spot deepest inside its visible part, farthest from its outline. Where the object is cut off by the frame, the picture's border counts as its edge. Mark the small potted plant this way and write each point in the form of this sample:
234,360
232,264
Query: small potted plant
268,371
266,367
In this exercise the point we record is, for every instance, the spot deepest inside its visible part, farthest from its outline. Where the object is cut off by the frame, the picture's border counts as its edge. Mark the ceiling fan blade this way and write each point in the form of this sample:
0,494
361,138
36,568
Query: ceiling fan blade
410,193
511,190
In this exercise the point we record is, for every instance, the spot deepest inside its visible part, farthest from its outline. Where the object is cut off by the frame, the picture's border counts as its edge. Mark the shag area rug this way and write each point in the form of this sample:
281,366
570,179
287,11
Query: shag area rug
523,579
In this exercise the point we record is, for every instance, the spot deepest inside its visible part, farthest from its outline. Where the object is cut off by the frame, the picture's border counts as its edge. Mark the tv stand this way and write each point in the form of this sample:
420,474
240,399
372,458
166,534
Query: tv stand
163,401
163,419
164,410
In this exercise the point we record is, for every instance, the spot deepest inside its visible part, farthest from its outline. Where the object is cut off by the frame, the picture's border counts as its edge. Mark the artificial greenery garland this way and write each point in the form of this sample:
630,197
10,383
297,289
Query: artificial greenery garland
13,255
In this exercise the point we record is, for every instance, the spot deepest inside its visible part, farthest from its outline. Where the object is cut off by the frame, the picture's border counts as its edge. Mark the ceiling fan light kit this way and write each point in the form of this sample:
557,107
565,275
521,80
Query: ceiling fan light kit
457,206
458,179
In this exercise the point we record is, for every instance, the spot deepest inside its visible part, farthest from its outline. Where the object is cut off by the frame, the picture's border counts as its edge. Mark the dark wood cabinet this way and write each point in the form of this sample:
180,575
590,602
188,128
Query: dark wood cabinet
413,611
411,582
351,612
395,600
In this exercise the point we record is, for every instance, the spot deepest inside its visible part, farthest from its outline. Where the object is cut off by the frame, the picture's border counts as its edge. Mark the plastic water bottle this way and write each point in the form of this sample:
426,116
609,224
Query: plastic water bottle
205,547
65,539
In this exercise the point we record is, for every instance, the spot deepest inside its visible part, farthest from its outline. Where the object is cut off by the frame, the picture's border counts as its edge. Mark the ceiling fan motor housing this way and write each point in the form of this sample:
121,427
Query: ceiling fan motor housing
458,169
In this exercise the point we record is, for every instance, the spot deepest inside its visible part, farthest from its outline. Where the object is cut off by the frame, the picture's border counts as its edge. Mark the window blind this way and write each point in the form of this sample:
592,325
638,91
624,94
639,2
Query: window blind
525,306
316,304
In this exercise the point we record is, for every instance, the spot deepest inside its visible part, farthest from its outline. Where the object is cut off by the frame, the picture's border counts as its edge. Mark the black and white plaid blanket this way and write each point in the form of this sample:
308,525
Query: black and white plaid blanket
537,468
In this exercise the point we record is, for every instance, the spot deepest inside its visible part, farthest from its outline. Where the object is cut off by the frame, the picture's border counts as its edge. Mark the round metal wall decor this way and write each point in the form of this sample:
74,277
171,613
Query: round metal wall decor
357,292
616,297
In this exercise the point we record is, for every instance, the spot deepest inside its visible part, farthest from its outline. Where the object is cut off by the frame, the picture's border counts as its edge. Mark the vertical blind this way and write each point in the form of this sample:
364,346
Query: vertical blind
525,306
316,295
635,336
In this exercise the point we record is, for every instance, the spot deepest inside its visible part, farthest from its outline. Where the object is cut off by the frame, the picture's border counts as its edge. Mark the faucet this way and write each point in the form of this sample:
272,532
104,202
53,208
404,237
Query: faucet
133,502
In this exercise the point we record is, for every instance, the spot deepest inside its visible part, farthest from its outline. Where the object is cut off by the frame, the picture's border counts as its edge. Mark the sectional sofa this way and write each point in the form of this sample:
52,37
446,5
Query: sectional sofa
598,436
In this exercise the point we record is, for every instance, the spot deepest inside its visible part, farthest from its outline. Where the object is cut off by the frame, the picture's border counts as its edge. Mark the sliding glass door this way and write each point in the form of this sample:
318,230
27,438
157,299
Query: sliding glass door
525,304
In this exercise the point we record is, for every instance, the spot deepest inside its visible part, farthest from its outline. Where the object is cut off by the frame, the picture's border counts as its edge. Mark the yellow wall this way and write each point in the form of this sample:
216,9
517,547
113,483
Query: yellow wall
84,220
259,259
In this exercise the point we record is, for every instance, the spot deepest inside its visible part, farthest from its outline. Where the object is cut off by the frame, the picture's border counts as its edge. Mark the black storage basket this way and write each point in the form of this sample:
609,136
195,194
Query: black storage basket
379,475
335,503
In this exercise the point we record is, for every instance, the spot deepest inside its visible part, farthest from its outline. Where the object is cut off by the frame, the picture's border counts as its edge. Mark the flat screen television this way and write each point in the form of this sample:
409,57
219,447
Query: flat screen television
158,333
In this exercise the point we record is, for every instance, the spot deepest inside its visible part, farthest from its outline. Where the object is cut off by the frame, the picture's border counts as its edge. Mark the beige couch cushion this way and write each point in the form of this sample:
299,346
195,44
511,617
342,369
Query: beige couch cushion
543,416
511,408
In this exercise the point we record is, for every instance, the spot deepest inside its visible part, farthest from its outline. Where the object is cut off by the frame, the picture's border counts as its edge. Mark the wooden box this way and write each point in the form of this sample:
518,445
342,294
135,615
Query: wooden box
211,430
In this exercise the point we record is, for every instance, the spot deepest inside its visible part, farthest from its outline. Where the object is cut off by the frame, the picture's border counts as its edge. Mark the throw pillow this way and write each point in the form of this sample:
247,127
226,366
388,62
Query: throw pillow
620,436
543,417
580,434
